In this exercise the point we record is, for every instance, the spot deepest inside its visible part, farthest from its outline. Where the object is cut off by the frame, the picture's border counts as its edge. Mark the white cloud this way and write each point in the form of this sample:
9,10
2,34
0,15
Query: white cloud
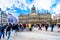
5,3
15,15
57,9
43,4
39,4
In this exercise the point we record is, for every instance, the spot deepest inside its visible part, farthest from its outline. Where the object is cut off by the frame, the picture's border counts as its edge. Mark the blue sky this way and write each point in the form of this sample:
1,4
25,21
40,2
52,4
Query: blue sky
17,7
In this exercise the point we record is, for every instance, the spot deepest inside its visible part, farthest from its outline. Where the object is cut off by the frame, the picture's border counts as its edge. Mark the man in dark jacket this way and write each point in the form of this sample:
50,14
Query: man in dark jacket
14,29
0,31
8,30
16,25
3,28
46,26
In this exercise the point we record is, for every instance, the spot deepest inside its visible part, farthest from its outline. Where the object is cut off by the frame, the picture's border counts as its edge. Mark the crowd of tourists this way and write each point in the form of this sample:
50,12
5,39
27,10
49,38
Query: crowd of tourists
8,28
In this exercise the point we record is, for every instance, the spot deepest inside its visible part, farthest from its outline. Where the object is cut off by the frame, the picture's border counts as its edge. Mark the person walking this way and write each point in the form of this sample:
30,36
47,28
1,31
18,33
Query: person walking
27,29
19,27
14,29
9,31
46,26
3,30
16,25
52,27
30,27
0,31
6,28
58,27
40,27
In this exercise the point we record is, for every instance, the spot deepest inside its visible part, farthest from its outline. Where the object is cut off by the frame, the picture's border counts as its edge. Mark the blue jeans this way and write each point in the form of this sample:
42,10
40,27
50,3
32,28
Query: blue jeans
52,29
3,34
14,32
0,34
8,35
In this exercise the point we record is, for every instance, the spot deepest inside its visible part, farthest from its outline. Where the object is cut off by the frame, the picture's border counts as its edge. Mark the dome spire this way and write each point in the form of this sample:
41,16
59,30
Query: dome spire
33,9
0,9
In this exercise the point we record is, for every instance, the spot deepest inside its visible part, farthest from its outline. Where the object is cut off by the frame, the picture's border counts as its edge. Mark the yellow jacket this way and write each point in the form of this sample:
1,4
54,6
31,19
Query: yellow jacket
30,26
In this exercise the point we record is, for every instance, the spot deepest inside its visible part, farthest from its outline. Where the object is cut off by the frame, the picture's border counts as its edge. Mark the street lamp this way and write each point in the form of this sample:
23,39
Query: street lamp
1,15
50,20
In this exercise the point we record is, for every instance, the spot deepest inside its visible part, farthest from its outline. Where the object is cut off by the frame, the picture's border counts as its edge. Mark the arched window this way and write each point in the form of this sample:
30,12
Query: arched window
8,20
11,20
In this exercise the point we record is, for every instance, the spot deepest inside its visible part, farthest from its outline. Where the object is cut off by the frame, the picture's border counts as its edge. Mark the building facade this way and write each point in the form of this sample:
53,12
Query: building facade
12,19
3,17
57,18
34,17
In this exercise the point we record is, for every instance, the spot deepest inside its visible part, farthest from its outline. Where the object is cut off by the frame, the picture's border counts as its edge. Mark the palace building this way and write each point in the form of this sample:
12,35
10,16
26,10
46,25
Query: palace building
34,17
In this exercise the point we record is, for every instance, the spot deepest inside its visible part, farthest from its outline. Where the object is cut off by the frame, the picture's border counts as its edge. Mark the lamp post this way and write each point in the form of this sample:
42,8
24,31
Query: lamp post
57,19
50,20
28,18
1,17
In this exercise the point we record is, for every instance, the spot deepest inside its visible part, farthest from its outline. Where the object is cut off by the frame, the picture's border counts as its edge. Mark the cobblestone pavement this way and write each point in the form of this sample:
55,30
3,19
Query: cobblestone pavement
36,35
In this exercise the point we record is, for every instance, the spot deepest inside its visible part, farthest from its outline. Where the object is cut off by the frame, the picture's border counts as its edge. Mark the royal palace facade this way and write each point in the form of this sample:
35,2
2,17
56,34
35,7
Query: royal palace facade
34,17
